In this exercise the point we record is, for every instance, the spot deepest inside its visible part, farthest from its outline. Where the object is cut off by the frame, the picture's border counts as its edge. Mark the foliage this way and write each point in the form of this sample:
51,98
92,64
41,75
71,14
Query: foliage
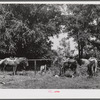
65,45
25,29
82,23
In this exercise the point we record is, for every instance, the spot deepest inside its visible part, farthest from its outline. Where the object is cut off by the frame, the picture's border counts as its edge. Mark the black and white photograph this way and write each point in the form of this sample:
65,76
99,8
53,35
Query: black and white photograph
49,46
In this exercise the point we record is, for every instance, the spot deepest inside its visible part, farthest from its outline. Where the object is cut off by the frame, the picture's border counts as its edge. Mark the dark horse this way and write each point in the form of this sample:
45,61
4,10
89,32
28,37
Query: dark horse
15,62
70,64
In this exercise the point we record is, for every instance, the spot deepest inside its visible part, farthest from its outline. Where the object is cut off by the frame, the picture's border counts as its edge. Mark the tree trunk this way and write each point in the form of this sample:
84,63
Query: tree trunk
81,55
79,51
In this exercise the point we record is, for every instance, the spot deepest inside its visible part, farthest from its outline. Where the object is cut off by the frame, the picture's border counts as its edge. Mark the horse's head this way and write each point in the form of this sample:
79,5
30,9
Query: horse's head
23,61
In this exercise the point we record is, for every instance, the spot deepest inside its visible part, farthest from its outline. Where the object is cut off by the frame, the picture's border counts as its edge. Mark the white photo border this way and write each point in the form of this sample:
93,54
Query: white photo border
45,93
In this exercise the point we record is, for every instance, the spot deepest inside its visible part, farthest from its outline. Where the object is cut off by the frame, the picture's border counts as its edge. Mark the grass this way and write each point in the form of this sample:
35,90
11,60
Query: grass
28,80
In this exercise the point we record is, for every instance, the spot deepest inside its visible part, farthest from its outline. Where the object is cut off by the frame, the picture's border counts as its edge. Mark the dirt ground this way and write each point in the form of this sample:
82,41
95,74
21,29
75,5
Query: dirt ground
28,80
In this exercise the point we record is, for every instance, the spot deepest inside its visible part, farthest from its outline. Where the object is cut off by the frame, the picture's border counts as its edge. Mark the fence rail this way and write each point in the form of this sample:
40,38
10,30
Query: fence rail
40,60
35,60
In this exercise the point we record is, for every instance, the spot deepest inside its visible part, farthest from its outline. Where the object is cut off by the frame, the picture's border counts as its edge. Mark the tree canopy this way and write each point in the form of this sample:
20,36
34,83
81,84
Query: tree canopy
25,29
82,23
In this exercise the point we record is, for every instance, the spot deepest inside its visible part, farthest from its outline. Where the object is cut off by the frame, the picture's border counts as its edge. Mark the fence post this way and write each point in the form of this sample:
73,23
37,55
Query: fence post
35,66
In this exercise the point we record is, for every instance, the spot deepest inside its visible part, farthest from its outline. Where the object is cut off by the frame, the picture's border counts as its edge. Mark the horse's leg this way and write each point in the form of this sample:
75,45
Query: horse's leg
41,71
60,71
89,70
95,68
45,70
73,75
4,70
63,70
24,71
92,70
14,70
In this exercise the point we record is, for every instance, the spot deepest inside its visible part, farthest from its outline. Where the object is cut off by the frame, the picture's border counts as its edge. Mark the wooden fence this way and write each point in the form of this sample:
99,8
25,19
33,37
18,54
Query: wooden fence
35,62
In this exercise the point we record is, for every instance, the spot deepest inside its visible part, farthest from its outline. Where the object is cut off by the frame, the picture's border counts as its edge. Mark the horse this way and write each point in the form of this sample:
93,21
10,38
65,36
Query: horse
15,62
65,66
58,63
22,61
43,68
94,65
95,62
91,65
9,62
91,68
70,64
84,62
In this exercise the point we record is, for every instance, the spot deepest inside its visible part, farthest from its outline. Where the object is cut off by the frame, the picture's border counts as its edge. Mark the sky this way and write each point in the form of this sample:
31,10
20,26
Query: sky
56,40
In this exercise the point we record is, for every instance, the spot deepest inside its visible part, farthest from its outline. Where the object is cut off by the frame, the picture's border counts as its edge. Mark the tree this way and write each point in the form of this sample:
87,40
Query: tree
26,28
82,23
